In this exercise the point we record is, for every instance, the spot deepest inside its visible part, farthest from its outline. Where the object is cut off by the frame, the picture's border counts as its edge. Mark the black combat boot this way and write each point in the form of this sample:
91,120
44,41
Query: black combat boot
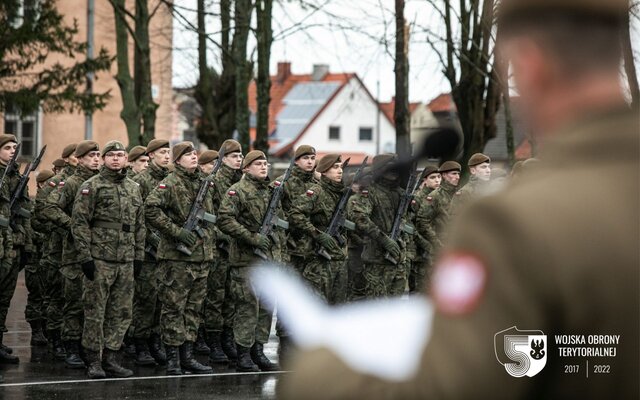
143,357
56,344
155,348
261,360
111,365
5,356
6,349
245,364
216,356
200,346
229,344
129,347
284,349
94,366
72,357
173,360
37,335
189,363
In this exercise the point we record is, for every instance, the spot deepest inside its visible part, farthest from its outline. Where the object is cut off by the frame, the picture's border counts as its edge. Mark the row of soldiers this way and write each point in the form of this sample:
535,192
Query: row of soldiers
111,245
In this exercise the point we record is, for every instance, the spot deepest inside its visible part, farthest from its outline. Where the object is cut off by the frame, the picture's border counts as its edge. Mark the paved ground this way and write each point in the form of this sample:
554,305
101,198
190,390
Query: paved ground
39,376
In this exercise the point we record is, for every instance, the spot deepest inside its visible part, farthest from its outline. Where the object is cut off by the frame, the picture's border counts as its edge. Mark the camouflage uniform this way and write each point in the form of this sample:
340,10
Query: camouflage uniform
473,189
182,278
108,229
426,242
436,212
310,215
373,211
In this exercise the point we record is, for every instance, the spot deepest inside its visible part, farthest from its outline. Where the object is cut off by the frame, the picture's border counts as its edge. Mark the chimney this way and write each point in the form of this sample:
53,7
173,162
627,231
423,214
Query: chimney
284,71
319,72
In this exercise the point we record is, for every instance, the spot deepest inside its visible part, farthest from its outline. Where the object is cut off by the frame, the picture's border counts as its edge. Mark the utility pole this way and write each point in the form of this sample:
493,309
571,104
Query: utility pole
378,117
88,117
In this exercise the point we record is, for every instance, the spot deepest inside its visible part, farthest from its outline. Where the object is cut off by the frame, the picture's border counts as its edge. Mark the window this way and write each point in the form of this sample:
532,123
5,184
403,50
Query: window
334,133
366,134
25,129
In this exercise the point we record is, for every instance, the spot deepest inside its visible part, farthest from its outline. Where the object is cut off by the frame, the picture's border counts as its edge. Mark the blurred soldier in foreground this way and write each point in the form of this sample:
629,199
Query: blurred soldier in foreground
538,255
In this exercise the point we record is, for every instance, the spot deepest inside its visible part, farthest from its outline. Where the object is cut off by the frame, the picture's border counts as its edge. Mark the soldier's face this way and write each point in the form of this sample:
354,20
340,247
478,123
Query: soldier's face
207,168
233,160
189,161
91,160
162,157
115,160
433,181
453,177
481,171
140,164
6,152
307,162
334,173
72,160
258,169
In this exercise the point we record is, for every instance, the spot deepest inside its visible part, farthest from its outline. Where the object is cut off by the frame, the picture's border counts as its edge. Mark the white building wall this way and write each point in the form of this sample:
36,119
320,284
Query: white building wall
350,110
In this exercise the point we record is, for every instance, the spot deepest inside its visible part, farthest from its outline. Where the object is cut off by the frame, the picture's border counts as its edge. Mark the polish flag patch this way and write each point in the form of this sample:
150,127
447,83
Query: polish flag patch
310,192
413,202
458,284
85,191
52,184
365,193
277,183
231,193
429,198
162,186
61,183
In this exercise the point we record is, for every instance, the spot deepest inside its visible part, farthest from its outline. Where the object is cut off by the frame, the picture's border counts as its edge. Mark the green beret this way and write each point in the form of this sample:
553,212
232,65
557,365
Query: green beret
6,138
136,152
230,146
382,160
448,166
156,144
44,175
86,146
68,150
478,158
207,156
113,145
428,170
253,156
181,149
327,162
512,11
304,150
59,163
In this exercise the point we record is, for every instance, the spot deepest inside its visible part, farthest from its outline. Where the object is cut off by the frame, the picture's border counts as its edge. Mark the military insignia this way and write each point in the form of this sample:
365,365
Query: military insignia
365,193
458,193
52,184
277,183
310,192
429,198
162,186
413,202
231,193
61,183
211,184
85,191
458,283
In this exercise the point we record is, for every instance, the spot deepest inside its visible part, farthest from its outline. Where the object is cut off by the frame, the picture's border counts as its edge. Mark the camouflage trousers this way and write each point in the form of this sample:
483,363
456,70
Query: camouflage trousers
182,288
328,278
54,293
146,305
385,280
219,306
420,276
34,281
107,302
298,264
253,321
8,281
72,310
356,284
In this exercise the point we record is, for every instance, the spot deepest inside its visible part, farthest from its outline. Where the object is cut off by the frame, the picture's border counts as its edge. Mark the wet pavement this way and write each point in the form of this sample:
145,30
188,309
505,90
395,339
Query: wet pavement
39,376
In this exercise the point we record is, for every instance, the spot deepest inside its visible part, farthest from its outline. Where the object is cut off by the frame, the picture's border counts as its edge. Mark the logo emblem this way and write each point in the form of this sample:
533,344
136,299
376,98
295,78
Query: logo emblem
521,352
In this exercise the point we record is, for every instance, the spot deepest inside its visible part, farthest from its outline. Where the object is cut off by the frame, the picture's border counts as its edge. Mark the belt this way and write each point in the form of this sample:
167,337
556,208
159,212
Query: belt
112,225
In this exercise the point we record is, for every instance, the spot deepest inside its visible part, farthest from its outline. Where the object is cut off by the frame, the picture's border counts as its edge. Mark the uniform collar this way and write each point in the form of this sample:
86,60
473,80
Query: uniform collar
335,187
305,176
113,176
157,171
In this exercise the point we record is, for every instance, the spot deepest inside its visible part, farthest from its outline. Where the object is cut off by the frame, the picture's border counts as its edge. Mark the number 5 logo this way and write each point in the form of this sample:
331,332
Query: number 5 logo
521,352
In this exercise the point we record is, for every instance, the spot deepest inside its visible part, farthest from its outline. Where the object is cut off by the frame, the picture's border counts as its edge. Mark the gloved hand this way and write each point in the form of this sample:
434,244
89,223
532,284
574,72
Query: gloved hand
261,241
89,269
325,240
186,237
391,246
137,267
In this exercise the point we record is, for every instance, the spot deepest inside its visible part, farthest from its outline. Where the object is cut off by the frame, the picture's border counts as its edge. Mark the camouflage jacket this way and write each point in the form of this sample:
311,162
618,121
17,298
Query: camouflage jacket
58,209
223,179
436,211
296,185
373,211
148,180
355,239
240,216
52,245
6,236
473,189
167,208
107,222
311,214
21,228
425,238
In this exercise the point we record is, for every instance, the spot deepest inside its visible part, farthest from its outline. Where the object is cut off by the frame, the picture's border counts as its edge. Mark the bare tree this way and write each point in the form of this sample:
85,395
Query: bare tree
264,36
242,18
629,61
401,69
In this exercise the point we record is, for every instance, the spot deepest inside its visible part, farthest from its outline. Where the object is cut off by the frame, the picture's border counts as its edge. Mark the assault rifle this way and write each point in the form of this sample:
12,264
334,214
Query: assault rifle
403,205
338,219
271,218
197,214
18,193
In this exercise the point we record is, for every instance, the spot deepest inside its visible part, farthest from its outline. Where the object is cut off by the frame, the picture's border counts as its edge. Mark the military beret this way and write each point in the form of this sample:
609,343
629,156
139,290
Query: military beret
136,152
512,11
230,146
6,138
478,158
68,150
327,162
59,163
450,166
181,149
86,146
44,175
253,156
113,145
382,160
304,150
429,169
156,144
207,156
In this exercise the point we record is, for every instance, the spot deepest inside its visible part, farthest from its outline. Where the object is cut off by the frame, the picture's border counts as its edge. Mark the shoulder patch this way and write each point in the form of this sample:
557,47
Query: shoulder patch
365,193
61,183
162,186
277,183
85,191
413,202
52,184
211,184
310,192
458,193
458,283
429,198
231,192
